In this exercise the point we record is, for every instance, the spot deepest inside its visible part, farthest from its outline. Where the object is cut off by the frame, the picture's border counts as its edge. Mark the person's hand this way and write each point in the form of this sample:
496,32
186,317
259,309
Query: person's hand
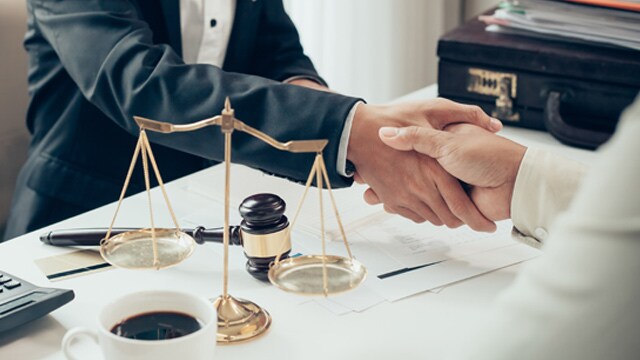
408,183
484,160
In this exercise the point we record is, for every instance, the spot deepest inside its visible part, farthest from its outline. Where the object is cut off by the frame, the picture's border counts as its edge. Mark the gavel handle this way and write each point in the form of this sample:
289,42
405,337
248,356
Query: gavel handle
92,237
202,235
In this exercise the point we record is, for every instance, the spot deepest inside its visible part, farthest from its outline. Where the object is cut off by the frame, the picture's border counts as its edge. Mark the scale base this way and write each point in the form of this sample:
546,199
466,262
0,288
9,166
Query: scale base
239,320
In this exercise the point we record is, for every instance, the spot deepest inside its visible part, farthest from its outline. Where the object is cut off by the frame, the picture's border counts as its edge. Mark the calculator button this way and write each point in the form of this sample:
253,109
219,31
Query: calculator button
5,280
12,284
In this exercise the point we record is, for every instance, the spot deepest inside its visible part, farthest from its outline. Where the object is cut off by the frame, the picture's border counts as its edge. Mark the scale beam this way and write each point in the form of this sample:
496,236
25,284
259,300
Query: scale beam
298,146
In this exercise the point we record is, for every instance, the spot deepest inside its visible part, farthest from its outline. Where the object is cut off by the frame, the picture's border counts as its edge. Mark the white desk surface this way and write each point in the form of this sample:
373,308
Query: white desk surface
416,327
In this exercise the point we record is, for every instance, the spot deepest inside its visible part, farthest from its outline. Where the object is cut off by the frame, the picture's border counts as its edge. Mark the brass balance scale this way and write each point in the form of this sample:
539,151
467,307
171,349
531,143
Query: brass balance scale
156,248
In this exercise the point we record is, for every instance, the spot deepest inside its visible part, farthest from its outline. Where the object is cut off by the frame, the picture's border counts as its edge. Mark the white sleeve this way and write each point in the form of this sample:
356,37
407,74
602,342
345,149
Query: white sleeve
545,185
341,163
579,300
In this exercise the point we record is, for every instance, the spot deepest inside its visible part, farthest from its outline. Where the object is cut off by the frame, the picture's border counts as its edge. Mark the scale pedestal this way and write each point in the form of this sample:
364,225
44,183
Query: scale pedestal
239,320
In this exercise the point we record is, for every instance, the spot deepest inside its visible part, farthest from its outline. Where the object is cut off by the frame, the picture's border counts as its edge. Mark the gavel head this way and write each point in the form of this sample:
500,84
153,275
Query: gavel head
264,232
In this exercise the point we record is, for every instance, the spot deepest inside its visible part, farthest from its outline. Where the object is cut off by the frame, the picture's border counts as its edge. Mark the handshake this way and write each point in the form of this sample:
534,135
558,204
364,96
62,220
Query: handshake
436,161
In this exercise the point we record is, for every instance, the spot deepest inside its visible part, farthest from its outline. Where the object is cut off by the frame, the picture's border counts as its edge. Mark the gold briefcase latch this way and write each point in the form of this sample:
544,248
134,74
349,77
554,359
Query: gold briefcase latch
504,86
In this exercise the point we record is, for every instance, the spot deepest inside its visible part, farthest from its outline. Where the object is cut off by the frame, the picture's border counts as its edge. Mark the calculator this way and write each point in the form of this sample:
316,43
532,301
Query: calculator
21,301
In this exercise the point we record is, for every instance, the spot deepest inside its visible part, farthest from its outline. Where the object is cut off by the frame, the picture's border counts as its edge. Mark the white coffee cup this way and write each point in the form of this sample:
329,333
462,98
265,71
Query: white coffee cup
199,345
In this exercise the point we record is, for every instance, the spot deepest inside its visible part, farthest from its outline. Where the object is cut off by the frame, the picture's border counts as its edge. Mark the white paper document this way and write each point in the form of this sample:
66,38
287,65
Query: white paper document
402,258
418,244
408,283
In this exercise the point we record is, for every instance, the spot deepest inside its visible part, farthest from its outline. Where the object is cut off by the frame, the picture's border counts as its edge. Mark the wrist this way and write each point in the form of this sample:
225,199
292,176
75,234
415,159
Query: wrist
364,131
507,161
357,138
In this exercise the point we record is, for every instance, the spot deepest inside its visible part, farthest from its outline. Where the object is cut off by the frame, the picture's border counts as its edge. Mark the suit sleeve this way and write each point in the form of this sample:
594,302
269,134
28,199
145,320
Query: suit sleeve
109,53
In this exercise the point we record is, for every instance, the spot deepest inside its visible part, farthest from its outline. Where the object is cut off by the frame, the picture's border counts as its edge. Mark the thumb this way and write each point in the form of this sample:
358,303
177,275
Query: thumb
453,113
423,140
474,115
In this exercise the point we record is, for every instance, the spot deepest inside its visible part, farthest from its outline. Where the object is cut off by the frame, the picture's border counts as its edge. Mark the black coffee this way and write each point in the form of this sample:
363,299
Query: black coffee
157,326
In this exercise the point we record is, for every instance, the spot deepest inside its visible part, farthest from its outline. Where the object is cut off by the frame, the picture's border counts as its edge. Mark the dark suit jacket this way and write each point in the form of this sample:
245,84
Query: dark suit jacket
94,64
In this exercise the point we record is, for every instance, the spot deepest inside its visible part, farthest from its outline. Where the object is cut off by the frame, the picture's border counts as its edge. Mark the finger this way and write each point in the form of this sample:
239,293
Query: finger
357,178
425,211
470,114
423,140
437,204
370,197
459,203
473,114
406,213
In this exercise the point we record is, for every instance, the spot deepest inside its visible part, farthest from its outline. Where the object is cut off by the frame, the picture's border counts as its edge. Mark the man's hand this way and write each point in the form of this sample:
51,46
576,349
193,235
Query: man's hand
484,160
408,183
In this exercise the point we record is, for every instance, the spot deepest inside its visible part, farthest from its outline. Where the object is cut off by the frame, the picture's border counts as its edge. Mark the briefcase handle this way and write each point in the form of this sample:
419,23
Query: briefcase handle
567,133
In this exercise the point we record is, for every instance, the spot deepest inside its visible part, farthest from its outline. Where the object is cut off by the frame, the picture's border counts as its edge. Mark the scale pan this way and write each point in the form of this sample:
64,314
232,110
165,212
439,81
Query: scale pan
304,274
134,249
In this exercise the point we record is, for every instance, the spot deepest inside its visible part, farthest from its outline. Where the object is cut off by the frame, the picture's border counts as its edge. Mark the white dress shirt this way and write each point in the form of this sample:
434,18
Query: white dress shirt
580,300
205,27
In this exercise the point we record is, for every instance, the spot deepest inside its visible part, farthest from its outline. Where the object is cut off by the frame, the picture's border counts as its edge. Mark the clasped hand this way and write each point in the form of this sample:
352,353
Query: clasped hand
414,157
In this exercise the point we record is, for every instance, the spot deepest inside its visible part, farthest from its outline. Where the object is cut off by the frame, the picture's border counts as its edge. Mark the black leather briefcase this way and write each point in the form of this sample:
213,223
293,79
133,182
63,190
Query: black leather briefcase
575,91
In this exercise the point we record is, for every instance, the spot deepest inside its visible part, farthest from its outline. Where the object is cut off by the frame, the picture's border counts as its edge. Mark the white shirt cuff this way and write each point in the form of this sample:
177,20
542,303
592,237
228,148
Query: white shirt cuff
341,162
545,186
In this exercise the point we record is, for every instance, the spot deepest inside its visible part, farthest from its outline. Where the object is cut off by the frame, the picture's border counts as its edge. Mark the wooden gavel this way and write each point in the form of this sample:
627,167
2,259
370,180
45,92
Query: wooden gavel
263,233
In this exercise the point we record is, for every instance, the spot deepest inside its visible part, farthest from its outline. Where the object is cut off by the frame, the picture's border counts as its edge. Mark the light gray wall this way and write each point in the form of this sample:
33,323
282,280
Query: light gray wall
375,49
13,99
378,49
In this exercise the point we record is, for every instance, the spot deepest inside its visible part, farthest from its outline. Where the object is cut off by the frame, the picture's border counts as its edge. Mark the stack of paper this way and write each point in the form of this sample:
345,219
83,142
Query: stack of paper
613,22
402,258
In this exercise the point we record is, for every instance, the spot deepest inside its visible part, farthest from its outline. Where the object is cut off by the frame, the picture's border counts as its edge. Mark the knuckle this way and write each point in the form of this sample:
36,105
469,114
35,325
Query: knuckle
476,111
412,216
459,208
447,218
477,227
412,133
418,220
442,101
389,209
406,197
432,218
454,223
